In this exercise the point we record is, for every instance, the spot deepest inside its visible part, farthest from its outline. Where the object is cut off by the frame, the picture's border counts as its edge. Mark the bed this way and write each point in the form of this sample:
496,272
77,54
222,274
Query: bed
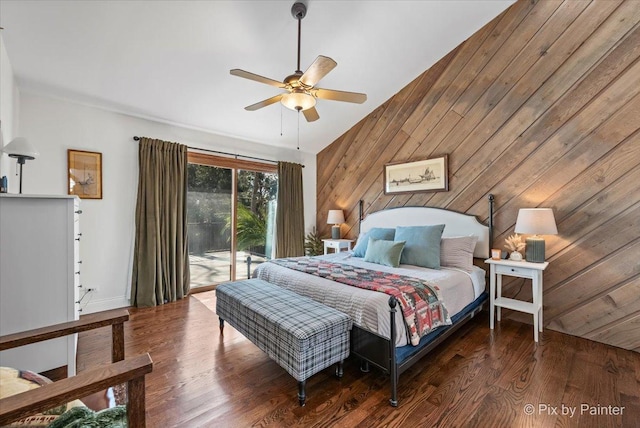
380,335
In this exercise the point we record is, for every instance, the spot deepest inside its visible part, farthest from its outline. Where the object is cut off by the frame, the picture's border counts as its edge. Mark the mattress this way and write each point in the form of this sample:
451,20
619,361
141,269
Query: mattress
370,309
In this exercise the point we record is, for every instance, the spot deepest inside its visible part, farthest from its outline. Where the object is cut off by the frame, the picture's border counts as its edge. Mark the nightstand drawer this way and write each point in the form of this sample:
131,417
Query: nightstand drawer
337,244
514,271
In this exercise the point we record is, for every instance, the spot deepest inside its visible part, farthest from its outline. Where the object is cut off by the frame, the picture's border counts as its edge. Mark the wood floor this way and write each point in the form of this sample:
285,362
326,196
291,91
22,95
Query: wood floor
477,378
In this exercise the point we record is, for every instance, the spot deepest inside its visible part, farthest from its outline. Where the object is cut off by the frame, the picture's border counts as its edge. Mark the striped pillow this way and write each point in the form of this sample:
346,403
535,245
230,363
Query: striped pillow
457,251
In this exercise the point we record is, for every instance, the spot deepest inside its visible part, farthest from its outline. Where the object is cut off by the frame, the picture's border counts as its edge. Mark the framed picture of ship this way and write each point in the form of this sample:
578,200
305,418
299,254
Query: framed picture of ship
429,175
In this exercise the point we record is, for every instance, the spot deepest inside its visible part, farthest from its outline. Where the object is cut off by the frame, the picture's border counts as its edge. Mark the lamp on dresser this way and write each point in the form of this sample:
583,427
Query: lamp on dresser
336,218
21,149
536,222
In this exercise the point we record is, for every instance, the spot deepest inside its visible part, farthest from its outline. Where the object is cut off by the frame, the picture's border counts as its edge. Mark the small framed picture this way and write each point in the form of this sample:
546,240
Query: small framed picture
85,174
496,254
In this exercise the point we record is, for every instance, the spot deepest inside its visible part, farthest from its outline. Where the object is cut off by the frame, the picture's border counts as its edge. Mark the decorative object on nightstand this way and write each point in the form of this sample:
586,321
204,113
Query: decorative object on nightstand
337,244
536,221
336,218
514,244
22,150
522,269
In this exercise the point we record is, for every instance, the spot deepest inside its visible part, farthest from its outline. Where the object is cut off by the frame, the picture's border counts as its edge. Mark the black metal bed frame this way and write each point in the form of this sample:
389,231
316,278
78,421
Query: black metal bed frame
379,351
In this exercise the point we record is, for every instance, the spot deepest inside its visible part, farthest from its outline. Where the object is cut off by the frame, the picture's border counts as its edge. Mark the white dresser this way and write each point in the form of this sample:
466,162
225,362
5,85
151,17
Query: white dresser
39,276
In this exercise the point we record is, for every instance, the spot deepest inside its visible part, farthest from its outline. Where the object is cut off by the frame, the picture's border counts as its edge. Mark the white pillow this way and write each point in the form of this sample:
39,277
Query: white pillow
457,251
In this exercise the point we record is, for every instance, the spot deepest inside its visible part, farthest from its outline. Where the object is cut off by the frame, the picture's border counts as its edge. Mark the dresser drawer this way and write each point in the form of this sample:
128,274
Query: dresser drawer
514,271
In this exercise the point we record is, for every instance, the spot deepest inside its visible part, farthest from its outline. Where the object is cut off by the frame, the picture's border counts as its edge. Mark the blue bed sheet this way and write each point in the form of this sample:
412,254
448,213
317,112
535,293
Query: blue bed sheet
407,351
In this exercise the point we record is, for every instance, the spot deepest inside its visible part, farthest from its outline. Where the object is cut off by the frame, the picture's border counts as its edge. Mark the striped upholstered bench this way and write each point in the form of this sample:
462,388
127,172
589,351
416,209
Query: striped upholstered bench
300,334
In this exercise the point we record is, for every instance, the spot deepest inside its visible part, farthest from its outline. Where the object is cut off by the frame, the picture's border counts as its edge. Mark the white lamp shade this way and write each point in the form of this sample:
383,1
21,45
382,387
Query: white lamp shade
298,100
19,147
536,221
335,217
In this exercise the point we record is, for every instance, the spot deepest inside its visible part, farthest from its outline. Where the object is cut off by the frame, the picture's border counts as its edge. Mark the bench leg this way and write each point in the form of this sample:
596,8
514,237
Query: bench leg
340,369
221,326
302,396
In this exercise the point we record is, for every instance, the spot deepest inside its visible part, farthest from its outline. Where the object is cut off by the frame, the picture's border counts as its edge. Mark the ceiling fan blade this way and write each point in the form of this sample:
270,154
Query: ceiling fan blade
264,103
316,71
311,114
330,94
256,77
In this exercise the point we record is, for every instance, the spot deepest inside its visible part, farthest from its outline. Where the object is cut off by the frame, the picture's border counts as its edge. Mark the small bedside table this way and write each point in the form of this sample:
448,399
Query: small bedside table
522,269
337,244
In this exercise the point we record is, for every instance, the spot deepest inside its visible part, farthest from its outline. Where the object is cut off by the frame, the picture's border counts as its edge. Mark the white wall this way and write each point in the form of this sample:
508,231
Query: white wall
107,225
9,101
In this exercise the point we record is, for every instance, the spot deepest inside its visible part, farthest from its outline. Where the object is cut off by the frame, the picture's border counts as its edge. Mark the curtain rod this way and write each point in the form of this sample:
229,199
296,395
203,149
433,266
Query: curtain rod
136,138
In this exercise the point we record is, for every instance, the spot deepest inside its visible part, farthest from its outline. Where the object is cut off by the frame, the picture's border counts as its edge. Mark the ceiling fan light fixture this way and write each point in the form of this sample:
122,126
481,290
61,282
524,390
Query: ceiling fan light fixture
298,101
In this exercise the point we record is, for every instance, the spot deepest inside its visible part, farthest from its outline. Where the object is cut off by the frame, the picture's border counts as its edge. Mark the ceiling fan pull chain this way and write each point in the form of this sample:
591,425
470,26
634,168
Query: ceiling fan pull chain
298,129
281,119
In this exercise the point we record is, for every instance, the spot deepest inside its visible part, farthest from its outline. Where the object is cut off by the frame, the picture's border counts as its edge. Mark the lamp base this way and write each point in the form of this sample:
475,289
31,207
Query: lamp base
535,250
335,232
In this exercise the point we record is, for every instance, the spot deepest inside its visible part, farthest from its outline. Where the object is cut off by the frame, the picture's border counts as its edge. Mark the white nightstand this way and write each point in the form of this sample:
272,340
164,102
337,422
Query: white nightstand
522,269
337,244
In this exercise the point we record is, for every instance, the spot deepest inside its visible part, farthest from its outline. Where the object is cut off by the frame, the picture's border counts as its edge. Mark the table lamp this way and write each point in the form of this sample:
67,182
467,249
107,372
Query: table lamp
536,222
22,150
336,218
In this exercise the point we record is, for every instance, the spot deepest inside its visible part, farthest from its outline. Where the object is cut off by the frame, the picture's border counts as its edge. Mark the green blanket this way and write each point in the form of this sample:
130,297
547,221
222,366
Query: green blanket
83,417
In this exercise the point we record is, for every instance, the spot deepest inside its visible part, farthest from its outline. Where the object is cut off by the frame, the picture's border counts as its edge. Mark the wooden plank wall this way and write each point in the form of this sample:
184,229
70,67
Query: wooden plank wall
541,107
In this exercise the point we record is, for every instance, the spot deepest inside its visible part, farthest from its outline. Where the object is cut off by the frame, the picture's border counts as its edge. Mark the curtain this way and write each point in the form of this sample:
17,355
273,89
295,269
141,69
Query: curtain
290,211
161,257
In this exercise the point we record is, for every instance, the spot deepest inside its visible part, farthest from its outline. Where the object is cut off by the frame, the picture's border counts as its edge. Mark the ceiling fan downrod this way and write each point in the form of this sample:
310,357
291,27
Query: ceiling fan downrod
299,11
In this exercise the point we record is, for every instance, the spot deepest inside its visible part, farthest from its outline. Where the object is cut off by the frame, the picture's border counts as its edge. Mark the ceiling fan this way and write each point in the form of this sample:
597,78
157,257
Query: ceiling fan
301,87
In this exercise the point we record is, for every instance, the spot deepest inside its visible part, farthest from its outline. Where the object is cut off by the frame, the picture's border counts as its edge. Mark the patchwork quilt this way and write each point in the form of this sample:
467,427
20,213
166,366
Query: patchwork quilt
419,300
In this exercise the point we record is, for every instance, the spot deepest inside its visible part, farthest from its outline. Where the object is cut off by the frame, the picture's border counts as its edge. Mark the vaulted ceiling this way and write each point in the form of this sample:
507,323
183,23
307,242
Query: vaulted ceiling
170,60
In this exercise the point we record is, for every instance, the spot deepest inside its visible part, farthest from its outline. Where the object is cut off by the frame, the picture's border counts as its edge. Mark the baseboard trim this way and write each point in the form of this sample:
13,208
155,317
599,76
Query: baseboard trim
105,305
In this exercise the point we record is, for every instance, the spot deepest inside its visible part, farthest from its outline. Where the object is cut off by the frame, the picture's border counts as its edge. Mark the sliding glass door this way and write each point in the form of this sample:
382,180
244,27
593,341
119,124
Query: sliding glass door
231,217
256,212
209,208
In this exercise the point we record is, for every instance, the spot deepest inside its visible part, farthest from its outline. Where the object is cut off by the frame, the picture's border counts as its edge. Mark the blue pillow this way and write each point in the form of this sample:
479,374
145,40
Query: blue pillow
377,233
422,245
384,252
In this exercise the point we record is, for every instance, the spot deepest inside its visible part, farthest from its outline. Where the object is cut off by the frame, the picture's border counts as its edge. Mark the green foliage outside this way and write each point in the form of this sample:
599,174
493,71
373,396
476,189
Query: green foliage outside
202,178
255,190
251,230
209,202
209,194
